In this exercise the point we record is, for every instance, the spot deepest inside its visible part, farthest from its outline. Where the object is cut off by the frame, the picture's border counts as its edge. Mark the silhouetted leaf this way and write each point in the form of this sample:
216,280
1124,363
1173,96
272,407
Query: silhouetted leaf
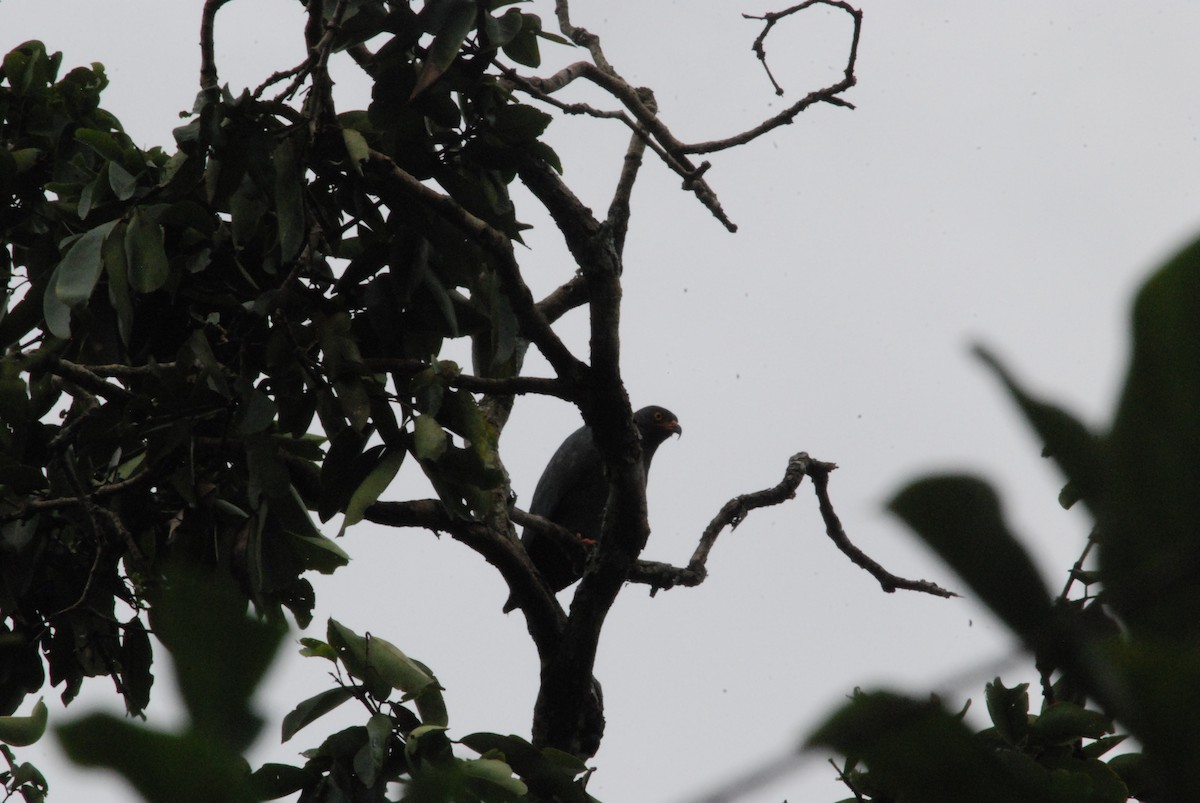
313,708
959,518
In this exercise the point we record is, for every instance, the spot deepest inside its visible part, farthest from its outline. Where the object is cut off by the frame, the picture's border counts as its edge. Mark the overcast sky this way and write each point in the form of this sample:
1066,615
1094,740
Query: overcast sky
1011,173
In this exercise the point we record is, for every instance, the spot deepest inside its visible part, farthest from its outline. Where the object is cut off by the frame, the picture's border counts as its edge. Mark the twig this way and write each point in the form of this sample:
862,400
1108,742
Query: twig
833,528
663,576
86,378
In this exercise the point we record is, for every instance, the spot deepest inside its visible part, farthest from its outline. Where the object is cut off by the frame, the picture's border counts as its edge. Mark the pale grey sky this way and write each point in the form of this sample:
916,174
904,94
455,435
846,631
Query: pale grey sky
1011,173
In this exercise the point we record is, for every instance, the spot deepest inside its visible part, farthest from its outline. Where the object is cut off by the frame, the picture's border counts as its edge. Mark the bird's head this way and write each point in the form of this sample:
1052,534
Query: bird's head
656,424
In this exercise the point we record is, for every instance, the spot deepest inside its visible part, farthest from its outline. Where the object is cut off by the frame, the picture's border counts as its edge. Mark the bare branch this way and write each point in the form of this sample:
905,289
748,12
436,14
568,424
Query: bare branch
772,17
543,615
581,36
618,208
87,379
208,61
833,528
663,576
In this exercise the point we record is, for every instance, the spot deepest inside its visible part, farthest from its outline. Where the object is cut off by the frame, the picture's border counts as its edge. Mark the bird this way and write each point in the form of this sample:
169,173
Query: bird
573,491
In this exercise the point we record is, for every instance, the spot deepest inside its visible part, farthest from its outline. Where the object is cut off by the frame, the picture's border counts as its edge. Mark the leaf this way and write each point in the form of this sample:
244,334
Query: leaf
494,772
102,142
162,767
289,196
382,666
315,648
369,491
123,183
148,266
314,708
451,31
273,781
136,659
116,270
1149,549
918,751
369,759
1009,710
77,273
24,731
959,518
518,123
356,148
523,49
429,439
1066,723
320,553
1076,450
220,654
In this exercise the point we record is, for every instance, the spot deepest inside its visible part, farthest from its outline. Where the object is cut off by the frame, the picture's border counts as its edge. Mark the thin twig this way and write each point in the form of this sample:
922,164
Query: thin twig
833,528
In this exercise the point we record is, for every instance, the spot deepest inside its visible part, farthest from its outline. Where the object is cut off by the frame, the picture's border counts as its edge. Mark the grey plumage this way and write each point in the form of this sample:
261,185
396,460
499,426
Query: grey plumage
572,493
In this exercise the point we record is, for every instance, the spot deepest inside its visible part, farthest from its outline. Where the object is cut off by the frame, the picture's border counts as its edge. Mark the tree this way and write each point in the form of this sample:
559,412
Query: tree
1121,654
207,347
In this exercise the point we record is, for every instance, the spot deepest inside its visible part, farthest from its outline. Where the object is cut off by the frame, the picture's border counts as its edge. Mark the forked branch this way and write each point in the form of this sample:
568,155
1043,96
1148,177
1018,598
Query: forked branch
664,576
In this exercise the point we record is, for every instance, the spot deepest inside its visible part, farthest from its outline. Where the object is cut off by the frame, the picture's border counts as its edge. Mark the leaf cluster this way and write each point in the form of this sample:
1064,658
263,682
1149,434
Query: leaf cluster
1126,651
205,352
405,739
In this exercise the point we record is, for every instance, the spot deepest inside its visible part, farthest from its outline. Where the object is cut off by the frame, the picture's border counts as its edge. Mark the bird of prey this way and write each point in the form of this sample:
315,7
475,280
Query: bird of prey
573,492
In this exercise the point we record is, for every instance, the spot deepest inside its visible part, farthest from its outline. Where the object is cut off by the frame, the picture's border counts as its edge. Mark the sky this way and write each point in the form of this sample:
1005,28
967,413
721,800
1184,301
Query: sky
1011,173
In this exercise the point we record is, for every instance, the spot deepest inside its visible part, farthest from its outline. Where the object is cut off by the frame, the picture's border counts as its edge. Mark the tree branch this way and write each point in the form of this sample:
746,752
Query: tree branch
833,528
543,615
663,576
208,62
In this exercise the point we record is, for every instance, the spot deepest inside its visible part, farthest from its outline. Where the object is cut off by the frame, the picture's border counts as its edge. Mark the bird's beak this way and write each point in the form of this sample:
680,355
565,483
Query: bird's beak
673,426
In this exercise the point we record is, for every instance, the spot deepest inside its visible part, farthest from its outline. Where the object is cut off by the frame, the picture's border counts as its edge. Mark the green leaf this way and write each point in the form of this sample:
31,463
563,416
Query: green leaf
369,759
123,183
493,772
518,123
148,266
429,439
24,731
315,648
451,31
356,148
201,619
289,196
1066,723
1149,523
523,49
369,491
959,517
77,273
1009,710
382,666
918,751
102,142
313,708
320,553
116,270
1076,450
162,767
273,781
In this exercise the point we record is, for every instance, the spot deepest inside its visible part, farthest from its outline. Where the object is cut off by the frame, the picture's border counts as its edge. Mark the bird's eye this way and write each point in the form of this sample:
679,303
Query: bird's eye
658,416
